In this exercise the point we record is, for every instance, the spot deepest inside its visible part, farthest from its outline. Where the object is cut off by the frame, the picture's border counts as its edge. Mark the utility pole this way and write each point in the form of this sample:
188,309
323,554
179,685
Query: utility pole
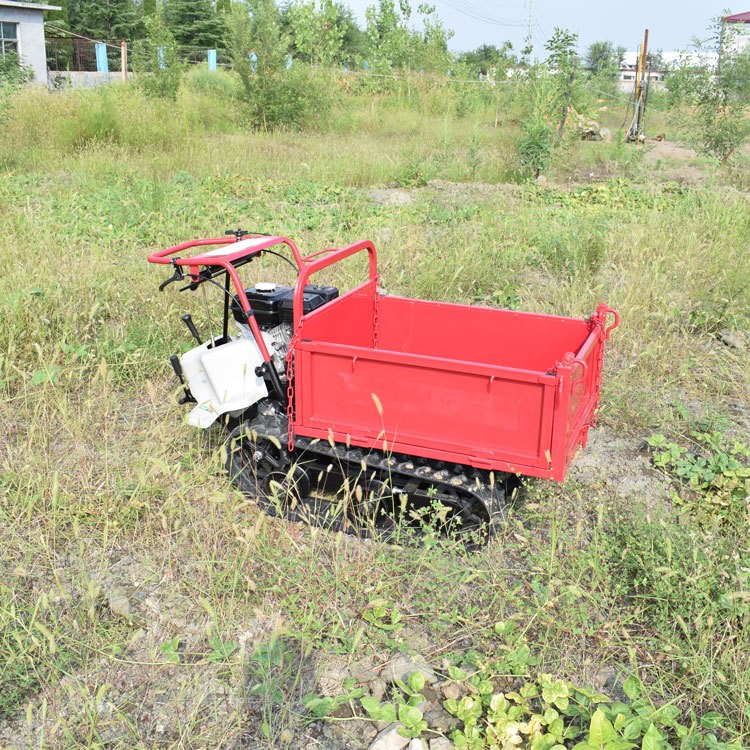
527,43
635,132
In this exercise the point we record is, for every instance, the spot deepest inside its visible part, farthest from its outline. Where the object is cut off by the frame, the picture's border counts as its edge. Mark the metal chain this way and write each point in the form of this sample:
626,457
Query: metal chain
290,388
375,314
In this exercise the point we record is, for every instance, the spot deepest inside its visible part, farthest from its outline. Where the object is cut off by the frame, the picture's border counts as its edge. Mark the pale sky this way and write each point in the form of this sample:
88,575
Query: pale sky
672,25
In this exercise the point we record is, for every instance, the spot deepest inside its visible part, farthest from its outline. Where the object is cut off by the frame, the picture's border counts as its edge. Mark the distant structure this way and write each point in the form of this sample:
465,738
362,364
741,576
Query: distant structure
741,28
629,68
22,33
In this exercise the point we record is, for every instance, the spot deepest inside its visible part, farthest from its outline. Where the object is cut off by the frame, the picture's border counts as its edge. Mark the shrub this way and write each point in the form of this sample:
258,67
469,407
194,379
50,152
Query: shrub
535,146
13,75
276,94
155,61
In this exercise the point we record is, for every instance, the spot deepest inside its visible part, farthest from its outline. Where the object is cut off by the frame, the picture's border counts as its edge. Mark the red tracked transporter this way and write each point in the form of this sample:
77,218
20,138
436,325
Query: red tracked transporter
349,408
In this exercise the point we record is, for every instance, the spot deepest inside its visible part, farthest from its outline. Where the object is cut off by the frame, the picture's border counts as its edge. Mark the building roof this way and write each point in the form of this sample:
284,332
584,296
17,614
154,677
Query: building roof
740,17
29,6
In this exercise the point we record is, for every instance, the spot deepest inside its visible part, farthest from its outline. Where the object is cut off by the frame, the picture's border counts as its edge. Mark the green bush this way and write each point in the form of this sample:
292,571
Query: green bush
535,146
292,99
155,61
13,75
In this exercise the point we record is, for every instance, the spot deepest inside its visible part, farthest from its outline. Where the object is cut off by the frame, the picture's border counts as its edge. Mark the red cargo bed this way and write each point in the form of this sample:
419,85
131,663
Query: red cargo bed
494,389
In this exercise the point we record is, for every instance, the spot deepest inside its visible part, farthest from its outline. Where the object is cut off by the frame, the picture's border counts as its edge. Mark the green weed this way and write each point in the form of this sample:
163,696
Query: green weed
715,472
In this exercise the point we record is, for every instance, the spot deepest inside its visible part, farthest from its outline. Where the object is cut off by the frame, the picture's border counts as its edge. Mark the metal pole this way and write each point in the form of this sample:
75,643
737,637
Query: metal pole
643,70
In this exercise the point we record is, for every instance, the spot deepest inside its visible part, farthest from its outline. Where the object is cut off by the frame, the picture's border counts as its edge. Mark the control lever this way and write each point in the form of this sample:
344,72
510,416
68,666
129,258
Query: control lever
174,360
240,233
178,275
188,321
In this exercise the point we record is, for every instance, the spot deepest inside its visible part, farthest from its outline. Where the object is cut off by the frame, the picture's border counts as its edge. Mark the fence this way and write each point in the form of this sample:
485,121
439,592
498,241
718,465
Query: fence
73,54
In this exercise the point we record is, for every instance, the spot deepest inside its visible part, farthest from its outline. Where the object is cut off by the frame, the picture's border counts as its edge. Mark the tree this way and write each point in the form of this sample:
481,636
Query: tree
713,100
394,45
193,23
155,59
316,30
354,40
563,64
561,47
273,94
430,46
488,59
655,60
105,19
603,59
388,34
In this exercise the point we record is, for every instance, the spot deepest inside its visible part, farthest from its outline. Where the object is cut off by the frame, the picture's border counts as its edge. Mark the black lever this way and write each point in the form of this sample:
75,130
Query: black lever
238,233
176,276
174,360
188,321
177,367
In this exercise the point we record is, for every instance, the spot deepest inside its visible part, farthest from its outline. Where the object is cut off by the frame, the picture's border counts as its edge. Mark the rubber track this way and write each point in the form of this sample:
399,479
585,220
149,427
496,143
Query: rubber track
475,494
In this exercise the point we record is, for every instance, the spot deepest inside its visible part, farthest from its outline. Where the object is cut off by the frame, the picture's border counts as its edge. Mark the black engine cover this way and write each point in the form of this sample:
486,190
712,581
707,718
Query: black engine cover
272,307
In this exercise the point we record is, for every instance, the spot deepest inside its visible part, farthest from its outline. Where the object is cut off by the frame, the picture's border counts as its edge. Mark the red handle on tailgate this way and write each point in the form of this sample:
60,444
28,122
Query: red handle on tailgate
603,312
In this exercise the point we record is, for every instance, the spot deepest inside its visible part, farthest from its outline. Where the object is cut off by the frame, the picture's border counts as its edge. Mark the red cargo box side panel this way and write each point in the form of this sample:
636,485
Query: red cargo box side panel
455,411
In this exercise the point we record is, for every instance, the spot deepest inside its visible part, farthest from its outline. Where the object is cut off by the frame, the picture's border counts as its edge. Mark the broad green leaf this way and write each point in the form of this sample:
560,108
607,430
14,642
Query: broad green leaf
319,707
668,714
652,740
416,681
47,375
377,710
409,716
456,674
601,731
711,720
632,730
632,687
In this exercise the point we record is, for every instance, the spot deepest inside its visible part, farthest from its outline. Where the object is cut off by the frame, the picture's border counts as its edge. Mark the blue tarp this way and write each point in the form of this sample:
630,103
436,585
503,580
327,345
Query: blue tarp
102,64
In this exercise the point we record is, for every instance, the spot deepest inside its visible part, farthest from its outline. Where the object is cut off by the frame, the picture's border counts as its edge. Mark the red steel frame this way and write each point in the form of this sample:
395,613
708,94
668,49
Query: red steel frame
337,355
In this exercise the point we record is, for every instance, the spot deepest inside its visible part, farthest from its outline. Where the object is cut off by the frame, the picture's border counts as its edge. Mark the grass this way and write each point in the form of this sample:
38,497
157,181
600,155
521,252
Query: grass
103,489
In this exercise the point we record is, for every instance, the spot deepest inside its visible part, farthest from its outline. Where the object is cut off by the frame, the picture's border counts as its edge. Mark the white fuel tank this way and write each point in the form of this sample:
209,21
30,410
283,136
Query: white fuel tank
222,379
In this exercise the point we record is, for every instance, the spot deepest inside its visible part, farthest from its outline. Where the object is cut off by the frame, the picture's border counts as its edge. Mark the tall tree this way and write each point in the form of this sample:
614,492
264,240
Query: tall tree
193,23
388,34
394,44
710,93
105,19
354,40
563,62
487,59
430,45
604,59
316,32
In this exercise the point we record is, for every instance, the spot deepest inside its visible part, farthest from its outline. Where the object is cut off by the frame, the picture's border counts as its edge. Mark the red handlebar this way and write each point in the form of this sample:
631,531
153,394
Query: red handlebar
222,256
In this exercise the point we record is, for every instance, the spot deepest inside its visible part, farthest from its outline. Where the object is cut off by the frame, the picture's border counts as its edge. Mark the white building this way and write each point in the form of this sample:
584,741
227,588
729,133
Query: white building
22,33
739,26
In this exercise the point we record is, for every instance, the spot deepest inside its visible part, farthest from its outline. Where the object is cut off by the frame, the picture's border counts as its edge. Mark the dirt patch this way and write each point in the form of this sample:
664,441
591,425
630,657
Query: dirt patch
674,161
620,463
